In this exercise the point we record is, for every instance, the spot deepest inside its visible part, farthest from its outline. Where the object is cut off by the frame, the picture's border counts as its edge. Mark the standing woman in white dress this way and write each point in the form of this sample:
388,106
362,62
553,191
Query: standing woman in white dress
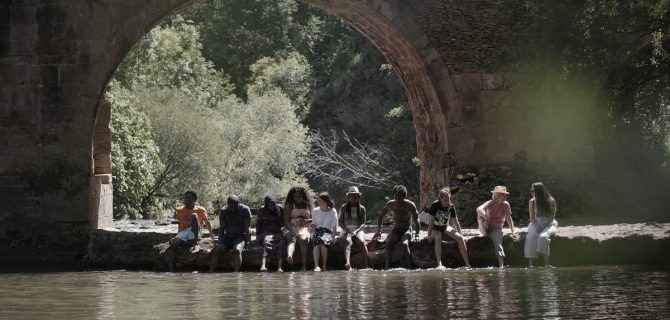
542,214
325,227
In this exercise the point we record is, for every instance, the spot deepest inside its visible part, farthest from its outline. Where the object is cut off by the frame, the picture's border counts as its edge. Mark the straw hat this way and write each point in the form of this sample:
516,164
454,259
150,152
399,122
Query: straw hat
500,189
353,190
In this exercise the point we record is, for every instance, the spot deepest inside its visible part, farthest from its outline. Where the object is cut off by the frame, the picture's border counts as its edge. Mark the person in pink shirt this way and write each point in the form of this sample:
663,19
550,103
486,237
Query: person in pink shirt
492,216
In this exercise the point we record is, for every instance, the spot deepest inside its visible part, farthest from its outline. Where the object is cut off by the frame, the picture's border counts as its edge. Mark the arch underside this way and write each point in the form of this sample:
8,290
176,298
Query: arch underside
397,37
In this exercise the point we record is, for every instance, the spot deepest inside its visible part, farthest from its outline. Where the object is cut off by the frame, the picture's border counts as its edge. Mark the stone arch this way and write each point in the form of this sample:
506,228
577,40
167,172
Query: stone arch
56,59
384,23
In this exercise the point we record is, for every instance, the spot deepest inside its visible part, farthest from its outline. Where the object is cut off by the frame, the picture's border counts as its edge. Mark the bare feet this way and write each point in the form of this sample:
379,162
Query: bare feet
280,270
440,267
264,269
317,269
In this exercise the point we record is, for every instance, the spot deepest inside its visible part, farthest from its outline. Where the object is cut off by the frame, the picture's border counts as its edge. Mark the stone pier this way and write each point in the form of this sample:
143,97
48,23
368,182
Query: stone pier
575,245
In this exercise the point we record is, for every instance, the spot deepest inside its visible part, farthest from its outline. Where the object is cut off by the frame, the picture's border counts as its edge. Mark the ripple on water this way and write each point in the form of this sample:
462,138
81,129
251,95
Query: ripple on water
583,292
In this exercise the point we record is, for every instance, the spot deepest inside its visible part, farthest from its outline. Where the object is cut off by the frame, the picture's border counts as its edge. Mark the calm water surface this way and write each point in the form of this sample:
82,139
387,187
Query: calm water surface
580,292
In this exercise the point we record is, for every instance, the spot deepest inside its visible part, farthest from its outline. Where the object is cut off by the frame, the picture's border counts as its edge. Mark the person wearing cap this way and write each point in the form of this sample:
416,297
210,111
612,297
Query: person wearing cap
403,212
191,219
352,219
491,217
234,231
269,222
442,212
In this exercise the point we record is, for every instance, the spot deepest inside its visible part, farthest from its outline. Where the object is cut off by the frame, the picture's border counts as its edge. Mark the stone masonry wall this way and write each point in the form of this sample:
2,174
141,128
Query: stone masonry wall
56,58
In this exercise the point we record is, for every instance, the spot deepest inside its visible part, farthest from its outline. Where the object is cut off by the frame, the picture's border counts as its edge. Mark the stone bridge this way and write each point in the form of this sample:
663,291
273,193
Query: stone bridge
57,57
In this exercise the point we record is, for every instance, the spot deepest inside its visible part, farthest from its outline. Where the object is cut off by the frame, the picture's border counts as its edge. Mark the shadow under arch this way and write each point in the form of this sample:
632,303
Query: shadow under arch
388,25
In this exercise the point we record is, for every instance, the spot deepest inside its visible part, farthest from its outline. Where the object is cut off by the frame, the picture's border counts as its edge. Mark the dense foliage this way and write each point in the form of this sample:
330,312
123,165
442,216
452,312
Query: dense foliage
135,154
176,125
608,62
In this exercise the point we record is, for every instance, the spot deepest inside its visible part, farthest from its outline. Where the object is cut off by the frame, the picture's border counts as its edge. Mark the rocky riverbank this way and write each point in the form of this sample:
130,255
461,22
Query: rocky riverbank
144,248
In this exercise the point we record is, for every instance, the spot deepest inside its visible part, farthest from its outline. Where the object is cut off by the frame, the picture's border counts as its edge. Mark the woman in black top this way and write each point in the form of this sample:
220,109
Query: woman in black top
442,212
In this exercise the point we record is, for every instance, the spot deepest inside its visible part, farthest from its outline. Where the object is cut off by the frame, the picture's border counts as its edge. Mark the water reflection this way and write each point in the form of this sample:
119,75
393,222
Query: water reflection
541,293
588,292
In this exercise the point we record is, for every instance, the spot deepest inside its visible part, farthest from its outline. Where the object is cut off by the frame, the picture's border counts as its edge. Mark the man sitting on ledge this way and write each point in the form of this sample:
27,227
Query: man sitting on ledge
191,220
234,232
404,212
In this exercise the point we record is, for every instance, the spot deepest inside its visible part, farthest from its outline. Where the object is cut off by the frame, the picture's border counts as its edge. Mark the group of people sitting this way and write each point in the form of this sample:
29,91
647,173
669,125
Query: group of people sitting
280,227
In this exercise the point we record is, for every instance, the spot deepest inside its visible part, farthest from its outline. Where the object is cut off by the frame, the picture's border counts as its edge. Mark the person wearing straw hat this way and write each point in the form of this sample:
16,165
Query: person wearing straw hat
352,221
491,217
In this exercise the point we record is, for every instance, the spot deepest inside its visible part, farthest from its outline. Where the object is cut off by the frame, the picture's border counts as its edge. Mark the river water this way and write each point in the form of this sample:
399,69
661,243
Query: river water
603,292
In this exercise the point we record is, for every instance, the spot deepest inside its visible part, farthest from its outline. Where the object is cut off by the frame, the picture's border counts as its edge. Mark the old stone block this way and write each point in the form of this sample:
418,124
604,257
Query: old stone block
469,97
21,14
489,98
22,32
45,75
492,81
467,81
68,74
22,96
16,47
15,75
57,50
91,48
51,13
69,94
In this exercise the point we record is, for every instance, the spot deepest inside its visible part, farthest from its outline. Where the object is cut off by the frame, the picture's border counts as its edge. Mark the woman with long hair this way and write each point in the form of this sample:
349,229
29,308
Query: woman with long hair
542,215
325,226
297,219
352,220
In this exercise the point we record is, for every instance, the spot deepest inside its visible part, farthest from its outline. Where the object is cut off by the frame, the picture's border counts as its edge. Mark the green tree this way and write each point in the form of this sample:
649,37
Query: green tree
135,160
619,53
265,141
189,142
240,32
290,75
170,56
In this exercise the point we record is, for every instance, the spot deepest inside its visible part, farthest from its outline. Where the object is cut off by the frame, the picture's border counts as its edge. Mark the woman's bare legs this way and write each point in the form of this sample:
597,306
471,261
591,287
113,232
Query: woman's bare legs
263,268
324,256
347,253
360,243
315,254
437,239
462,248
302,244
290,249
